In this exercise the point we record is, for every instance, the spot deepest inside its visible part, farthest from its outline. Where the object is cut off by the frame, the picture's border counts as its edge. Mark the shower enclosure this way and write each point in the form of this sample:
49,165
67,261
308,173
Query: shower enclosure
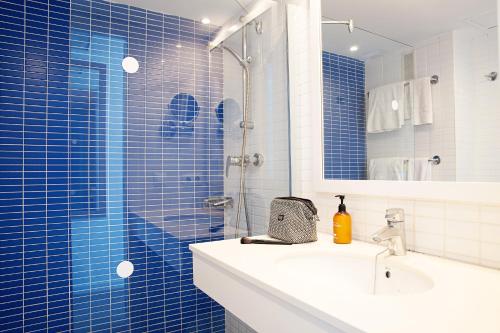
266,171
116,123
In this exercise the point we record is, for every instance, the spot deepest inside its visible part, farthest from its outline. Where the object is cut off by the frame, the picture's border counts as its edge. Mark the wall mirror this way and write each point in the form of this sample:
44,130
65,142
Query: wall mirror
410,91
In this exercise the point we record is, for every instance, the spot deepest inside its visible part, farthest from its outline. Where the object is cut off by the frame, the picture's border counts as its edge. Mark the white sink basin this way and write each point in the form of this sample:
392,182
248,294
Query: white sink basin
355,273
322,287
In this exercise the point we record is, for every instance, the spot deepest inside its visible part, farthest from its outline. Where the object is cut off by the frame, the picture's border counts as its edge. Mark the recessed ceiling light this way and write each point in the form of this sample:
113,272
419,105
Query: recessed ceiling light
354,48
178,46
205,20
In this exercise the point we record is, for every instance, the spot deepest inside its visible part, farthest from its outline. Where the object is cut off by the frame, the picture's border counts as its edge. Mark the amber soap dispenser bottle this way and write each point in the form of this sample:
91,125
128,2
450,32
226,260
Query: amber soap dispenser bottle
342,224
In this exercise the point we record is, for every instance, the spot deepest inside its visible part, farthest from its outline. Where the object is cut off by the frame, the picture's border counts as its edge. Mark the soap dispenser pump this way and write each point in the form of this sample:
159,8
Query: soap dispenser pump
342,233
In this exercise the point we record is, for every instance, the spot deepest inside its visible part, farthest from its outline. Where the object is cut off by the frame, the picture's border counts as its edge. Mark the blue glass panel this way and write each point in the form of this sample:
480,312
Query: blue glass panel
90,177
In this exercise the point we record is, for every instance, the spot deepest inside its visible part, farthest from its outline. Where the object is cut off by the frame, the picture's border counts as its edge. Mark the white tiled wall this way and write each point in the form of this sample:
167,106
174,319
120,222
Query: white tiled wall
476,105
467,232
381,70
435,57
269,113
466,121
431,57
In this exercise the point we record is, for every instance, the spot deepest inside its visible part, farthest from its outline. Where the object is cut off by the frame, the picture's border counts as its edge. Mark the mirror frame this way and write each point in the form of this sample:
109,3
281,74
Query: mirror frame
477,192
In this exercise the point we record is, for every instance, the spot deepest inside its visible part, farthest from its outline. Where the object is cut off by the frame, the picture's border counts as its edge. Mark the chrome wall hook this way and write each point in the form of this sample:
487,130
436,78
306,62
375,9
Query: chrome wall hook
492,76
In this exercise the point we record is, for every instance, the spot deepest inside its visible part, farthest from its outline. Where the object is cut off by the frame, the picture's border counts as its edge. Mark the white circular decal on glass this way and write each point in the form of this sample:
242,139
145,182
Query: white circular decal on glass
395,105
125,269
130,65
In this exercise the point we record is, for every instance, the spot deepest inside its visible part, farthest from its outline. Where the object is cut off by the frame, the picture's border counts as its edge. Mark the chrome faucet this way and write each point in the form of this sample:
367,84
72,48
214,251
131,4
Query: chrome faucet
393,235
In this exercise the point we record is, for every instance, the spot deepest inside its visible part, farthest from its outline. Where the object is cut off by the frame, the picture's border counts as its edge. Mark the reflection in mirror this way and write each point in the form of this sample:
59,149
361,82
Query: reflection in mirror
409,93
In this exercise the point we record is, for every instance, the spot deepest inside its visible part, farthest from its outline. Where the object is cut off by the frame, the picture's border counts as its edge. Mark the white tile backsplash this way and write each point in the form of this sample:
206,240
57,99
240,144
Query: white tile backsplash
462,212
460,231
429,243
469,233
490,254
430,209
464,230
463,250
429,225
489,214
490,233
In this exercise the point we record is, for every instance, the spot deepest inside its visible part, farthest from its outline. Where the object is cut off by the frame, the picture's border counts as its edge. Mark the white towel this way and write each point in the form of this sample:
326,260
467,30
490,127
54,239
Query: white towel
421,96
408,106
390,168
386,108
422,169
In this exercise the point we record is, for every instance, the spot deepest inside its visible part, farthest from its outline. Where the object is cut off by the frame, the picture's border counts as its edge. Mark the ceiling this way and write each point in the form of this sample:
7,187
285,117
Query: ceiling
218,11
409,21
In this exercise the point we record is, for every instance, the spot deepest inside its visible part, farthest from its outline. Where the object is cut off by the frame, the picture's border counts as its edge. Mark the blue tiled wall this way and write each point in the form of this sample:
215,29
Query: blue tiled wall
344,117
98,166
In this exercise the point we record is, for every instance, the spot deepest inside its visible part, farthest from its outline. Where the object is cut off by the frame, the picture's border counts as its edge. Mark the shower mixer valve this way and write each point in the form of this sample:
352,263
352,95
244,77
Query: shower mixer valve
256,159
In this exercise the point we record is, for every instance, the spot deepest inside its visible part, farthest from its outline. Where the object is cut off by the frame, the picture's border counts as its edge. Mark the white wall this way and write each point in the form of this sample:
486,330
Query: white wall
381,70
476,105
464,103
436,57
431,57
468,232
466,118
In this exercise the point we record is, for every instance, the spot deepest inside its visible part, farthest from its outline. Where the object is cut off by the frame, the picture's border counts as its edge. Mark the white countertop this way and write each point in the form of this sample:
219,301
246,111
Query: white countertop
465,298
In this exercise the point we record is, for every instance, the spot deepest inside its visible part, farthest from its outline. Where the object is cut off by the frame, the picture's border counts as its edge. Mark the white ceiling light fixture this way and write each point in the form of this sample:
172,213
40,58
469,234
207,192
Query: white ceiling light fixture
205,20
178,45
354,48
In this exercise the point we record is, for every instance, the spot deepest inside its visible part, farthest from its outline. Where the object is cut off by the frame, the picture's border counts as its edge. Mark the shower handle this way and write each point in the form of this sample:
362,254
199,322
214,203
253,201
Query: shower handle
234,160
256,159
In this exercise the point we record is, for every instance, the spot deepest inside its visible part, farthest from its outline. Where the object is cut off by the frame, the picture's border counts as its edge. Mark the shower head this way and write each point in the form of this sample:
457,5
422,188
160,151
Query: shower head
243,62
349,23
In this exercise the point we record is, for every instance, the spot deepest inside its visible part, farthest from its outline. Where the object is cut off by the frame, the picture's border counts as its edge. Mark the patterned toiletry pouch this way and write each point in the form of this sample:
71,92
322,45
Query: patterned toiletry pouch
293,220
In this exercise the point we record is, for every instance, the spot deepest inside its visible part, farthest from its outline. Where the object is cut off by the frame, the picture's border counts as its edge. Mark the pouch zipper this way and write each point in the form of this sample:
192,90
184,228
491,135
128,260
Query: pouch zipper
309,204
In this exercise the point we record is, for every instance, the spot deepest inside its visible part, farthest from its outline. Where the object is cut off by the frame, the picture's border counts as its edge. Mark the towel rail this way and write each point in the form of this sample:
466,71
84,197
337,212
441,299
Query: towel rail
434,160
434,80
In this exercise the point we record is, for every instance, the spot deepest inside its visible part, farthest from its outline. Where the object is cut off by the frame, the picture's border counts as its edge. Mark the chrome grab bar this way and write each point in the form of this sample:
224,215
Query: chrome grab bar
218,202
